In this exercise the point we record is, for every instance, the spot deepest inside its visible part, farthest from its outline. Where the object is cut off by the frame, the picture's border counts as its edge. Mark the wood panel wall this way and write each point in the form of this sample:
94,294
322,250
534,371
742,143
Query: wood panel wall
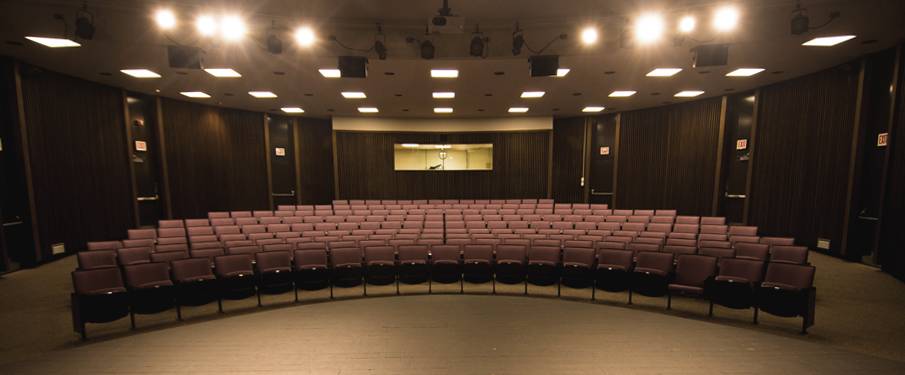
215,159
80,167
568,146
315,159
366,167
667,157
801,156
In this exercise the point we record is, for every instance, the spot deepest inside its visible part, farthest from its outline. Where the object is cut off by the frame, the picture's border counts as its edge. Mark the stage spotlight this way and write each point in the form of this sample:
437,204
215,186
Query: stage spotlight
518,40
477,43
800,21
165,19
84,27
686,25
304,37
274,44
206,25
648,28
427,50
725,19
232,27
589,35
380,45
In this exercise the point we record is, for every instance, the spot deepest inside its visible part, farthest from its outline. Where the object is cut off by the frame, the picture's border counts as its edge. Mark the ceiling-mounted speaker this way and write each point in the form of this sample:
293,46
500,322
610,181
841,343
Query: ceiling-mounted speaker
711,55
182,57
353,67
543,66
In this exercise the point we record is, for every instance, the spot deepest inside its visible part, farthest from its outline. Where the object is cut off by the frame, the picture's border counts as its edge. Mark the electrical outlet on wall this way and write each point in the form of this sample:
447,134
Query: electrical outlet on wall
823,243
58,248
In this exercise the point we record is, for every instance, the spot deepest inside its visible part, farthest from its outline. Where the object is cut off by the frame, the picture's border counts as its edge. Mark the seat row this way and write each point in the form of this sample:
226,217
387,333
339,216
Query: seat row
101,295
413,213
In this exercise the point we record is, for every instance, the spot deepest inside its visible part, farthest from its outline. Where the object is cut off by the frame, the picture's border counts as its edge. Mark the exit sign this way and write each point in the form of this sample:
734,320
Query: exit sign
882,139
741,144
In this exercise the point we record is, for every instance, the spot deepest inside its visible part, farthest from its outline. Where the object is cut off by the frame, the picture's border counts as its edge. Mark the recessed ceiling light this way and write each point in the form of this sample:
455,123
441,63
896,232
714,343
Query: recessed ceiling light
305,37
649,28
444,73
223,72
410,145
141,73
292,110
589,35
330,73
367,110
725,19
744,72
562,72
686,25
53,42
622,94
443,110
353,95
664,72
232,27
828,41
262,94
518,109
532,94
444,95
165,19
195,94
688,94
592,109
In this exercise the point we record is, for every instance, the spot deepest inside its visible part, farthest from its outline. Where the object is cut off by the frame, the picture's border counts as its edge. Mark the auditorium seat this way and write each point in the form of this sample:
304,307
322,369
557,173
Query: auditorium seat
477,265
236,275
170,224
543,266
789,254
511,260
99,297
753,251
347,267
782,241
311,271
718,252
691,273
578,267
133,255
150,289
713,221
787,291
195,283
613,272
274,272
734,286
652,274
138,234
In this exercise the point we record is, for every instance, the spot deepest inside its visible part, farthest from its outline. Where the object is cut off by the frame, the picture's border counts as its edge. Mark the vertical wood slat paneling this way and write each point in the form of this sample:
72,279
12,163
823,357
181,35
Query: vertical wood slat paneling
366,167
667,157
891,244
80,166
215,159
315,139
568,138
801,158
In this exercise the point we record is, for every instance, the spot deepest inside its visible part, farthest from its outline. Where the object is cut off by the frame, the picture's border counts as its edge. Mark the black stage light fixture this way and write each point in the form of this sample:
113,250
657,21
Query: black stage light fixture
427,50
477,43
800,21
184,57
543,66
711,55
380,46
274,44
84,28
518,40
353,67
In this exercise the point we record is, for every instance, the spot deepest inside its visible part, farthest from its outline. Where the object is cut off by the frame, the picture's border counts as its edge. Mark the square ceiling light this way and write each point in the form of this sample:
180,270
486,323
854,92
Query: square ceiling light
292,110
262,94
443,110
593,109
688,94
353,95
330,73
518,109
53,42
140,73
367,110
828,41
744,72
664,72
562,72
532,94
223,73
195,94
622,94
444,73
444,95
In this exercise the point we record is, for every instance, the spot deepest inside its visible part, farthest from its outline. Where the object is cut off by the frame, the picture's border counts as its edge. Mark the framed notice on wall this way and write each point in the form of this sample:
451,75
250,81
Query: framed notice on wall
882,139
604,151
281,152
141,146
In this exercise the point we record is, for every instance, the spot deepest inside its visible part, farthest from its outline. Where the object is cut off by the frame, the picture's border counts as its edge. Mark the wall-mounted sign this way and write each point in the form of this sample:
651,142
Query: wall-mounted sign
882,139
741,144
141,146
604,151
281,151
139,122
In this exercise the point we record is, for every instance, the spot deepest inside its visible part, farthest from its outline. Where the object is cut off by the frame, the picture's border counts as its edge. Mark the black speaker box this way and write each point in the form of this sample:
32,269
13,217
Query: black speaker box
182,57
543,66
353,67
711,55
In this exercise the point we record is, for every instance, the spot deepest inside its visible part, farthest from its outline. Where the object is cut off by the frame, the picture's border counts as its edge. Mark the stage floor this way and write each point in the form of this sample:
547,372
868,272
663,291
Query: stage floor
452,334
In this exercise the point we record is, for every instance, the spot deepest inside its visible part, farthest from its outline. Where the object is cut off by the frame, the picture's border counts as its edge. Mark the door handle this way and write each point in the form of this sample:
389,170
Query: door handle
594,193
292,194
740,196
145,199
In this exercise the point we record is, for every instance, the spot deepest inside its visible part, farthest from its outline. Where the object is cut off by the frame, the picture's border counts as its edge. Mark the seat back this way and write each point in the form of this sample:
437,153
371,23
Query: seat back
718,252
789,254
782,241
130,255
147,275
103,245
692,270
233,264
472,252
189,269
746,270
310,258
510,252
413,253
755,251
793,276
660,262
380,254
676,250
612,257
273,260
96,259
345,257
97,281
446,253
579,256
544,254
742,230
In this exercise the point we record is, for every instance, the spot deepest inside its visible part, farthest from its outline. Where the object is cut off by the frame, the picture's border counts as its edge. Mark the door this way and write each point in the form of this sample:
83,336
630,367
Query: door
16,237
738,128
145,153
603,159
282,160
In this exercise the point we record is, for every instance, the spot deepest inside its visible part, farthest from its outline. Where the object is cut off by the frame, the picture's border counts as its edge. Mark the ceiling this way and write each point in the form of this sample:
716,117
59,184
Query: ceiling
401,86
